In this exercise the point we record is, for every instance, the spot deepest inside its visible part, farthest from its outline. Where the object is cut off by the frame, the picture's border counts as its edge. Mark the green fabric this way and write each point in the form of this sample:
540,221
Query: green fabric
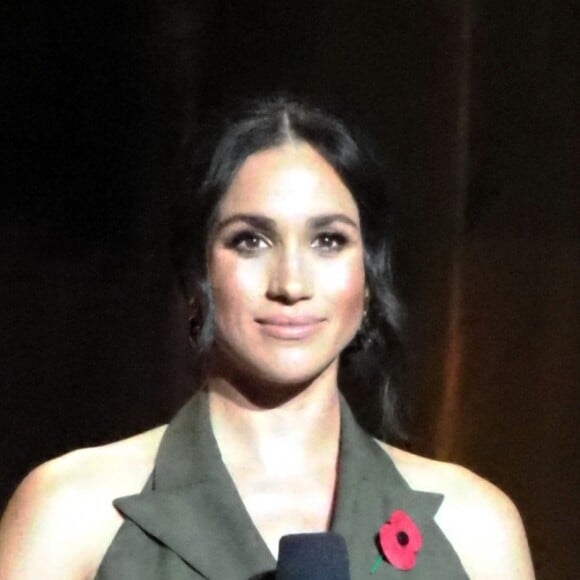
189,521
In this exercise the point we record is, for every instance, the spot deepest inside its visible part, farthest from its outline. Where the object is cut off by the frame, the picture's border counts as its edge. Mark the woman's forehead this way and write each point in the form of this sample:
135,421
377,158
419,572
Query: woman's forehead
292,181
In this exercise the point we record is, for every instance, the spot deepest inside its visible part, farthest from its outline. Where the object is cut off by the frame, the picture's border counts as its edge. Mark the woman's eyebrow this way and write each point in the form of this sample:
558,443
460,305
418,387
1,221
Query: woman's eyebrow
254,220
265,223
327,219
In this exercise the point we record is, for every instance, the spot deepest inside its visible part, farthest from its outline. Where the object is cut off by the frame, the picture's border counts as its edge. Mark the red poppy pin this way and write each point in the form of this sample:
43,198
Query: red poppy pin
400,540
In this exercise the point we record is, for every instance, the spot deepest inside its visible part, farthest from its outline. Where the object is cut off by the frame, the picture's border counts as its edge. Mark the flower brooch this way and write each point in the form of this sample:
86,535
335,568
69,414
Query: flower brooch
400,540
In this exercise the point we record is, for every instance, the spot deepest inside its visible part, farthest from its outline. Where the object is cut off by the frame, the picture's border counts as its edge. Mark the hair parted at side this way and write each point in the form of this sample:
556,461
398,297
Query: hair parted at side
370,367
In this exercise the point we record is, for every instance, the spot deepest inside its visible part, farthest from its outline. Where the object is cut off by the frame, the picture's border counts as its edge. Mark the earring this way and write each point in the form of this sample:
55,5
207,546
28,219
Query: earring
191,305
367,300
193,317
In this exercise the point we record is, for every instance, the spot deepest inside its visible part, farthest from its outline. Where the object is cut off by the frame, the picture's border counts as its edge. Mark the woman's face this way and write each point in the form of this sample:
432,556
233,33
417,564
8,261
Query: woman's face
285,260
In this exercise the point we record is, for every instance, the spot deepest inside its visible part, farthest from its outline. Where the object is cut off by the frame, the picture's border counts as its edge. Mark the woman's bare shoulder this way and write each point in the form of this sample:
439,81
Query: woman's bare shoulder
43,532
475,516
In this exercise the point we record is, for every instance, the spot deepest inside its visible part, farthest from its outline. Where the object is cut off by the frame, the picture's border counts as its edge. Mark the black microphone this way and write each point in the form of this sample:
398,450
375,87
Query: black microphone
321,556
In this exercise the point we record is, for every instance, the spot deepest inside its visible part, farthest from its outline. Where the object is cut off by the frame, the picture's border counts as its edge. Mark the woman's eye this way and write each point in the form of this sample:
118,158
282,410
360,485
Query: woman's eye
330,241
246,242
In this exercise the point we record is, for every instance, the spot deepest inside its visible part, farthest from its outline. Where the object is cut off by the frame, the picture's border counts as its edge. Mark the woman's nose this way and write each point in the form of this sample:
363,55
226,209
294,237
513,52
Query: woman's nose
290,279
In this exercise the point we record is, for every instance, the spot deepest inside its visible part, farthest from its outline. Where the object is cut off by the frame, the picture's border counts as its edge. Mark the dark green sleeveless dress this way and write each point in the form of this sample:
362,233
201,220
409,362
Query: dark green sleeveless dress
189,521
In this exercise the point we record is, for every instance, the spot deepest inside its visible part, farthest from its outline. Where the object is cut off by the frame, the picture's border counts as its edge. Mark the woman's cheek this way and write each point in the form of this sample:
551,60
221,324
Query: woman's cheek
343,285
245,283
236,286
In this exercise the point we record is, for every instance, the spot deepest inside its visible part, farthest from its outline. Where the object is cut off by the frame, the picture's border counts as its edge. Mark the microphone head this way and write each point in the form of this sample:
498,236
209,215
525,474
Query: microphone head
320,556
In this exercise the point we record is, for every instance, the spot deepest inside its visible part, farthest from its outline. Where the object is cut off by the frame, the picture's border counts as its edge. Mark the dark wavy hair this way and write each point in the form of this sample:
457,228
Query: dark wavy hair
370,366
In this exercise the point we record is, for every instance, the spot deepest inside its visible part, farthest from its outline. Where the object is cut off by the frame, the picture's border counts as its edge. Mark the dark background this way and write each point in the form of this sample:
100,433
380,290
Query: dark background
474,104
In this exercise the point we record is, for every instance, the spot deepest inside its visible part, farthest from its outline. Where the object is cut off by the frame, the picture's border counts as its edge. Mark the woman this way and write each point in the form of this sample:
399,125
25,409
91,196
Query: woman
286,258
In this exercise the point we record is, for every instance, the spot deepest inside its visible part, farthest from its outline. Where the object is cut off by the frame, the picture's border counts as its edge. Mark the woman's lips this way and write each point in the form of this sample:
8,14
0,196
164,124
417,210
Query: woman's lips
292,328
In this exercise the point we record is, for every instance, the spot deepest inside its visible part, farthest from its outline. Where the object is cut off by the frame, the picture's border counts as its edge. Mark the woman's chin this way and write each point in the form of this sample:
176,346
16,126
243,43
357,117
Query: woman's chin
270,385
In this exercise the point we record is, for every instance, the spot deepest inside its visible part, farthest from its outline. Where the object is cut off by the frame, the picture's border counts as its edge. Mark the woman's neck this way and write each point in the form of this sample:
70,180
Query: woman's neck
290,436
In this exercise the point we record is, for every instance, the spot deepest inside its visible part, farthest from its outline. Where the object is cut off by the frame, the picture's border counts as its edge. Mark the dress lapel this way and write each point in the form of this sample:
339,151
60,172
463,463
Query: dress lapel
191,504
